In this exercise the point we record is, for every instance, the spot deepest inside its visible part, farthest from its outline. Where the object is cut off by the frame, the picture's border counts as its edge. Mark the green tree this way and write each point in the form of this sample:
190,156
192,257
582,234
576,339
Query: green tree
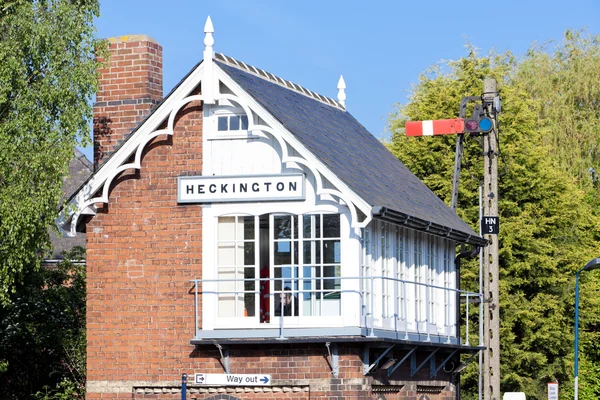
564,80
548,229
47,77
42,333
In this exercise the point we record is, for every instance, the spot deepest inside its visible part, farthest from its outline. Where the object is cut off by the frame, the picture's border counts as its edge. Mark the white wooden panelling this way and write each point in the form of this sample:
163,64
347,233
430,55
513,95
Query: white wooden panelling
422,264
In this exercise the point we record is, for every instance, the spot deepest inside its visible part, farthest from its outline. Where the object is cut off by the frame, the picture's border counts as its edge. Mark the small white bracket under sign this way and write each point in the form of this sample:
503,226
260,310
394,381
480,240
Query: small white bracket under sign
232,379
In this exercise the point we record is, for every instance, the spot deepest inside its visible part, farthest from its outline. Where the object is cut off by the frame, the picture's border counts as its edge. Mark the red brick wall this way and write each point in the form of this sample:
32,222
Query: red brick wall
142,250
130,87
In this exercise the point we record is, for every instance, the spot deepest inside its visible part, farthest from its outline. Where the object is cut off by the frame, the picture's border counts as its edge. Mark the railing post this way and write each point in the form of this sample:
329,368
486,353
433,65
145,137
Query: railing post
183,386
405,311
427,313
467,320
448,326
372,306
196,323
281,335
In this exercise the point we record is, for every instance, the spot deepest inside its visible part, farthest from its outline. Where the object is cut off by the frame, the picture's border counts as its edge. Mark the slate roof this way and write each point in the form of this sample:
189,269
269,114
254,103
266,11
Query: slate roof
355,156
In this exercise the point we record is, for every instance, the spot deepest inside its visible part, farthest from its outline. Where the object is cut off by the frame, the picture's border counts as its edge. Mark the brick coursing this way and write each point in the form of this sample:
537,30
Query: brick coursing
130,86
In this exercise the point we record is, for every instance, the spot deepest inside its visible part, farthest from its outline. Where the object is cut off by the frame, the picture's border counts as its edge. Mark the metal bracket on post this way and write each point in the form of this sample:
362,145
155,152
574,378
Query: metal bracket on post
462,113
224,352
370,367
332,350
442,365
399,363
414,370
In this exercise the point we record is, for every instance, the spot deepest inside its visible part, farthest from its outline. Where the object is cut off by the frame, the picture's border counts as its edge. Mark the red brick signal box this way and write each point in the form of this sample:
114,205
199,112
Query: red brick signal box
250,233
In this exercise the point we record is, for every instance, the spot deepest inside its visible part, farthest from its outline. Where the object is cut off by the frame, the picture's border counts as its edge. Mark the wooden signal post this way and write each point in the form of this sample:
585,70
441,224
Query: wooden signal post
483,122
491,266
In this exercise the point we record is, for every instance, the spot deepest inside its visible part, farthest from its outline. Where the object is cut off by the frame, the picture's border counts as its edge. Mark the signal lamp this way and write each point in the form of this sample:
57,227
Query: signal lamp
483,124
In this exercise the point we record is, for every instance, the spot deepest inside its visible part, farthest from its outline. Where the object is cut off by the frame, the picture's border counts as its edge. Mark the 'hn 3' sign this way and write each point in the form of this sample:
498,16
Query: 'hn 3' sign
490,225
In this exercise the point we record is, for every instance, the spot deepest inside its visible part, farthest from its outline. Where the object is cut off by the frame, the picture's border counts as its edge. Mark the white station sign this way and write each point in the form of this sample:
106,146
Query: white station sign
213,189
232,380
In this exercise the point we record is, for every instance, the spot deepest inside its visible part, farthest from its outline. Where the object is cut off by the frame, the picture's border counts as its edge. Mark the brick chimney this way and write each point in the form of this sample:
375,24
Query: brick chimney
129,89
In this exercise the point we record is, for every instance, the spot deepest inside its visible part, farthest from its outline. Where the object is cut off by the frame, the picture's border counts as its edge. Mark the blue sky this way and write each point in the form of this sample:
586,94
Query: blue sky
381,47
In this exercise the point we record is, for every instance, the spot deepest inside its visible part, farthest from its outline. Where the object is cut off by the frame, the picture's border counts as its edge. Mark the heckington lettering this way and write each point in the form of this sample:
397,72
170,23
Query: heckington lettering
241,187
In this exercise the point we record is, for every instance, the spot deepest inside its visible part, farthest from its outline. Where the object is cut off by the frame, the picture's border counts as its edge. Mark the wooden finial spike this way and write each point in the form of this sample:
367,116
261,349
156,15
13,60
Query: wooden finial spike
341,92
209,84
209,30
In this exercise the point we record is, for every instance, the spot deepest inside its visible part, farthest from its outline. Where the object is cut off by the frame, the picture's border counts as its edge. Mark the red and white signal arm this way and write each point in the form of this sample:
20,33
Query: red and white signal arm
435,127
552,390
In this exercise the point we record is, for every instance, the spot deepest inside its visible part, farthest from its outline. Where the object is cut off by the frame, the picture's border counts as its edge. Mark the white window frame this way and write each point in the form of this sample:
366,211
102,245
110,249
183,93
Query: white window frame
210,316
211,122
236,266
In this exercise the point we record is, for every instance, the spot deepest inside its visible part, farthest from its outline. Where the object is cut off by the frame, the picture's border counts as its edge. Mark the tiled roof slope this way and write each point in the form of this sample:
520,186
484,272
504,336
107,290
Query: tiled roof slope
351,152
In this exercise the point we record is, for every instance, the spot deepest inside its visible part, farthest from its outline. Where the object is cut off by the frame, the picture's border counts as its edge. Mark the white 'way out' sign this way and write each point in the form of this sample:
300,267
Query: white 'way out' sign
232,379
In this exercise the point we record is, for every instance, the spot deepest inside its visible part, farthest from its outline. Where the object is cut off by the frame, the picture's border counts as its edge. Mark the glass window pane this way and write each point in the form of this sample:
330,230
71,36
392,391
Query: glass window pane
278,282
222,123
248,228
249,309
286,278
249,292
283,253
295,225
249,253
226,305
318,227
331,271
318,282
227,280
234,123
312,226
226,289
312,252
225,254
306,227
331,225
332,286
249,273
244,122
331,251
307,286
283,226
295,258
226,229
287,303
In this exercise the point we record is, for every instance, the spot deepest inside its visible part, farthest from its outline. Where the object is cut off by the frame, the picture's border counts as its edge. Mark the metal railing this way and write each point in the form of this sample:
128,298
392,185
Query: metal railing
371,303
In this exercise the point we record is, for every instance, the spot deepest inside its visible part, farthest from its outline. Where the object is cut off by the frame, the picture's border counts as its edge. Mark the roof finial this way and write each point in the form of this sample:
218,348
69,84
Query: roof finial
208,82
341,93
209,30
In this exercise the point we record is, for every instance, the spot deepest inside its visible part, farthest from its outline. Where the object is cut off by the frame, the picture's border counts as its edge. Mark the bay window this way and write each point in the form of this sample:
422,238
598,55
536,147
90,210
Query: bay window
274,262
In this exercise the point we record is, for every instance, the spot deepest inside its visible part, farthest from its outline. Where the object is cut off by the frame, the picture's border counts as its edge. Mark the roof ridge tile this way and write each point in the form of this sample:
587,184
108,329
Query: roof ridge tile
278,80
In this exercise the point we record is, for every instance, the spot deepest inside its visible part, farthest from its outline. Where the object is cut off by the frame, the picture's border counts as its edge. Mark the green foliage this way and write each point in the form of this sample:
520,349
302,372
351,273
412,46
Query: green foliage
42,333
564,81
47,77
548,228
